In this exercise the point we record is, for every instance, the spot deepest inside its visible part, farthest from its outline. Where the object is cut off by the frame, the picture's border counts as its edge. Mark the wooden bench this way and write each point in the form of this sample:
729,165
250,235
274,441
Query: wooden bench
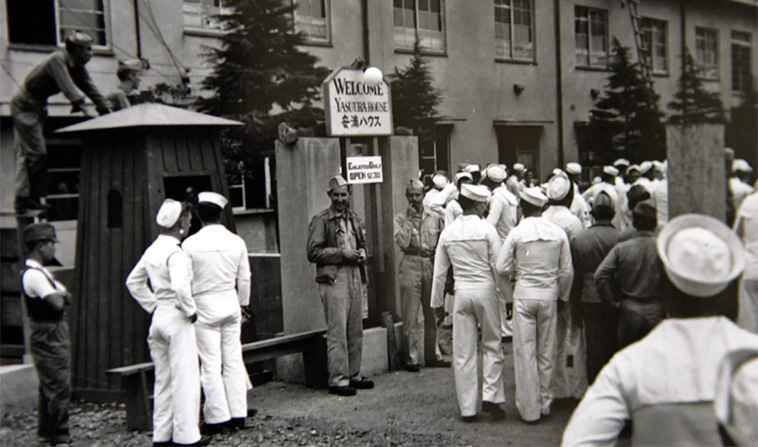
136,380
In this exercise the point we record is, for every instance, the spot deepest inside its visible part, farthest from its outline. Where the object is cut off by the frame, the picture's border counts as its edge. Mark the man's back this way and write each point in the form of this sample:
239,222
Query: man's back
469,244
633,267
665,383
565,219
588,249
503,211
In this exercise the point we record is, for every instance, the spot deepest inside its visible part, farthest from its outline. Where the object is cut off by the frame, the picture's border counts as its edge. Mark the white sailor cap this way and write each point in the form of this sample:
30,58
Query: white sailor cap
212,197
477,193
610,170
700,254
518,167
735,403
168,213
471,168
558,186
534,196
439,181
645,166
621,162
573,168
741,165
462,175
495,173
634,167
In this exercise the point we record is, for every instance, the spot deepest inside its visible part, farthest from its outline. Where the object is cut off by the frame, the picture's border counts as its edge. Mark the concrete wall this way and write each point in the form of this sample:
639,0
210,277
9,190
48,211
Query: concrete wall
18,389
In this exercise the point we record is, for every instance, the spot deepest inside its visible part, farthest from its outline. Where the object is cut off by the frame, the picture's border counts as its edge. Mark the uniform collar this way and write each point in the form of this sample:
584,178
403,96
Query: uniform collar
34,263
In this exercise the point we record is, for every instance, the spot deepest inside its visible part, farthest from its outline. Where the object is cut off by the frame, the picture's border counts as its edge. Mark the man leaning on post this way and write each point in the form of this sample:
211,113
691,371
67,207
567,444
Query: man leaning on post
337,245
49,344
62,71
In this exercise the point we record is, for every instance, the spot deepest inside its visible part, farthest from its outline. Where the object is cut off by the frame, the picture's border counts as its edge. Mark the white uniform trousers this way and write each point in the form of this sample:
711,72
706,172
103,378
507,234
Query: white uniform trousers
747,317
176,395
505,296
222,373
534,326
477,307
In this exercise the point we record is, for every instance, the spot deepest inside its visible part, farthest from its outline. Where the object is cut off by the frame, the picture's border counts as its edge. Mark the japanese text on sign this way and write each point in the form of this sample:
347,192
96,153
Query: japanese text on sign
354,108
364,169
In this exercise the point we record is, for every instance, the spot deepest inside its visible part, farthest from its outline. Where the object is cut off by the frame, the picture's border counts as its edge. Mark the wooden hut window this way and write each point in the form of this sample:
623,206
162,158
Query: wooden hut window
115,209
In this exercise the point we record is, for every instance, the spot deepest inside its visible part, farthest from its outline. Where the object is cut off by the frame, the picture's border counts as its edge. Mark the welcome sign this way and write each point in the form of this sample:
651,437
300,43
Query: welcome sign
355,108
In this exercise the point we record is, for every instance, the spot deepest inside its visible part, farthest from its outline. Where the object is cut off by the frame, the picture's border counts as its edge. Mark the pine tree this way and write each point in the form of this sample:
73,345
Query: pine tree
414,97
629,108
693,104
260,77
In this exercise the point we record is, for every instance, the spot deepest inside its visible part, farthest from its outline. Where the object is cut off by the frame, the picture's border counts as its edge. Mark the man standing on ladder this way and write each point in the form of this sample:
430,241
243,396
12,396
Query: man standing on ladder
62,71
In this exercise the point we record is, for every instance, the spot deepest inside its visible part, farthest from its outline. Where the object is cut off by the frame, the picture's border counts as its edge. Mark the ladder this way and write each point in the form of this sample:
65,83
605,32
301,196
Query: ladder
643,47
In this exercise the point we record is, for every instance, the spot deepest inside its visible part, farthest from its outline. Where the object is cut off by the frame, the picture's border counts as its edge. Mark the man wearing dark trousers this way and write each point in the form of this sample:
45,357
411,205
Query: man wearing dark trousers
49,344
62,71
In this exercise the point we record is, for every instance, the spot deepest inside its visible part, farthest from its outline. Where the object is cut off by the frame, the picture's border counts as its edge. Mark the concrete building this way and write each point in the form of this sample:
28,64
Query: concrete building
518,77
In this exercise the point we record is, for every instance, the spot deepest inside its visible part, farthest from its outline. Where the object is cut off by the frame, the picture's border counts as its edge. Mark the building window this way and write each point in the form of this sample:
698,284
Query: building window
50,22
591,37
514,38
64,172
655,41
707,52
434,150
312,20
742,75
422,19
251,187
200,14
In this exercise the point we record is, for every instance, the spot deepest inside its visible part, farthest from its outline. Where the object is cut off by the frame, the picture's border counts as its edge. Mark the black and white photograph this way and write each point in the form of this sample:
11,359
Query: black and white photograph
390,223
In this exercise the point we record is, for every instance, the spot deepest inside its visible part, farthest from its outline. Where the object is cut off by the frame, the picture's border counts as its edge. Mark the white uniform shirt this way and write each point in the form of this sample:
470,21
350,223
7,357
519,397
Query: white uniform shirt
540,254
661,198
565,219
452,211
38,284
740,190
219,261
503,211
471,245
170,272
747,219
659,382
580,209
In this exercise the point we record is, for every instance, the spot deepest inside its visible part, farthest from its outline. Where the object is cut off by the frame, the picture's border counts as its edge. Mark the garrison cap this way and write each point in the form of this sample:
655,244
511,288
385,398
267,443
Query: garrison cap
39,232
79,38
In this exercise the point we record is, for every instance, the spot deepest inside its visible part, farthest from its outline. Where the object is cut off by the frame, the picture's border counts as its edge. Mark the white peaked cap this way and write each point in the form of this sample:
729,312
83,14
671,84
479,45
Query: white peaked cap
477,193
534,196
518,167
741,165
610,170
645,166
212,197
621,162
461,175
168,213
439,181
573,168
700,254
558,186
496,173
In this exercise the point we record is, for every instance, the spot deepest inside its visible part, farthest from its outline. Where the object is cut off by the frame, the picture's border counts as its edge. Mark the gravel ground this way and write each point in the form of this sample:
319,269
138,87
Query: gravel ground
405,409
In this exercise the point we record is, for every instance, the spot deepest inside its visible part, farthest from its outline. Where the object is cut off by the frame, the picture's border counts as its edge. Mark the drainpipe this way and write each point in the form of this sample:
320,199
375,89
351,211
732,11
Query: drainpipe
559,78
683,14
138,41
364,20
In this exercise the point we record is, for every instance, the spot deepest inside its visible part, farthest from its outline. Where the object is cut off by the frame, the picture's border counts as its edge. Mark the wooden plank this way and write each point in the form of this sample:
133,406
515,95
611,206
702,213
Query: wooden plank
195,153
131,369
116,280
90,295
182,152
78,305
130,251
8,244
165,145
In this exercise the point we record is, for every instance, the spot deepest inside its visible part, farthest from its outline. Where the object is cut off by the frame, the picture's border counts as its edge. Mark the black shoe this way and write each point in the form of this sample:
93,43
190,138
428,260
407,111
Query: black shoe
251,412
412,368
235,424
534,422
506,339
212,429
469,418
163,443
439,364
202,442
493,409
342,390
363,384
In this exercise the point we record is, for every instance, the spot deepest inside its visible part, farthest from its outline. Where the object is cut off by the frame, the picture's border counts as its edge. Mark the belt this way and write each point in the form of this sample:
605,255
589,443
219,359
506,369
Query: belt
413,251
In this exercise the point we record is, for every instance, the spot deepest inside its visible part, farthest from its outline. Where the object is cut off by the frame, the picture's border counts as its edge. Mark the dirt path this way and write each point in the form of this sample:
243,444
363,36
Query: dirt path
405,409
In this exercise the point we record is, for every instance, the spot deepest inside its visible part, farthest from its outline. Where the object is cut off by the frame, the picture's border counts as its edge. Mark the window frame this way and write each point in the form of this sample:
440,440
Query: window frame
203,11
57,38
704,69
748,44
649,33
588,65
60,41
425,49
511,42
307,38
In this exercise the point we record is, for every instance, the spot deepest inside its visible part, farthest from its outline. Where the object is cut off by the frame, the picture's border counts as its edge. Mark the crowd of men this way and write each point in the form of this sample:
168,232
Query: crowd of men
576,273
